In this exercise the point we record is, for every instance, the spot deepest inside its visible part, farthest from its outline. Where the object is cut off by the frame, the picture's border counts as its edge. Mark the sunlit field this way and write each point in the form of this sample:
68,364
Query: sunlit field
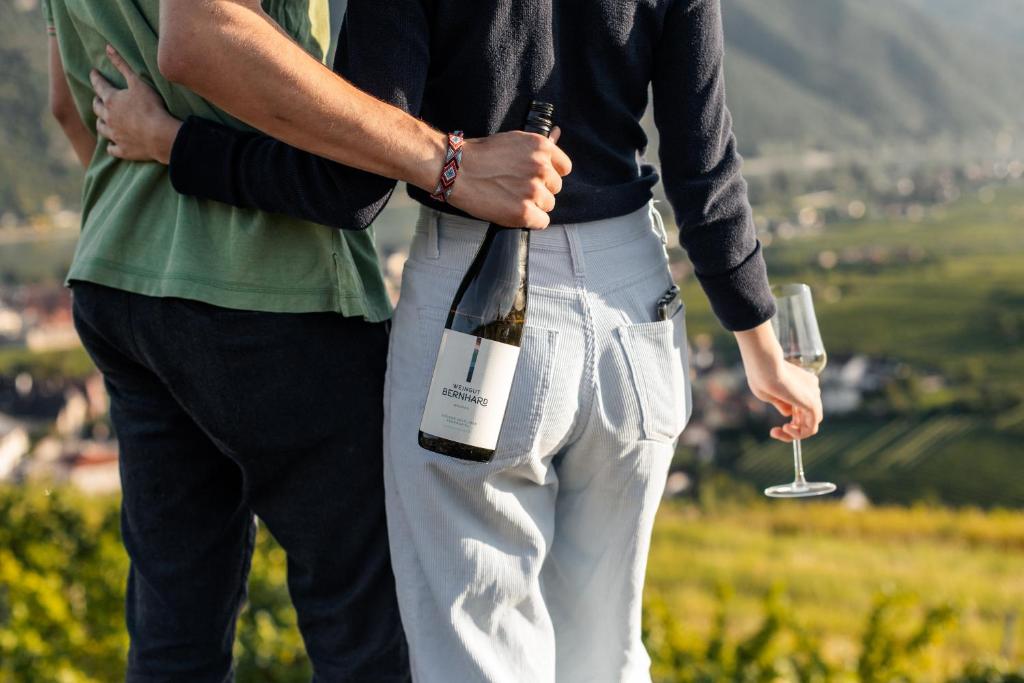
944,296
830,566
760,583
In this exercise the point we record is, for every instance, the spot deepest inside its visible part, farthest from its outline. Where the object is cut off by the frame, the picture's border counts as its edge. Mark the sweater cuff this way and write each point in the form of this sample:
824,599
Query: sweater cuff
194,167
741,298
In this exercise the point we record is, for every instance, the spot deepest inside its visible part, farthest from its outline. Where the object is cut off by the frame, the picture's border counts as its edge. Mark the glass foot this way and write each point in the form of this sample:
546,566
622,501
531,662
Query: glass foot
800,489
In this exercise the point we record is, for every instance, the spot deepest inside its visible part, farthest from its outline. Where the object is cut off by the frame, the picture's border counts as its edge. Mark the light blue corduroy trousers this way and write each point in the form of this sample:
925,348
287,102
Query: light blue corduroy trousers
530,568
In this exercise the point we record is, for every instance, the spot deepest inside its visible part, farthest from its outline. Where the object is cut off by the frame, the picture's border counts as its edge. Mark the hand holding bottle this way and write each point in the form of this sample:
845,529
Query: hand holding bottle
511,178
472,378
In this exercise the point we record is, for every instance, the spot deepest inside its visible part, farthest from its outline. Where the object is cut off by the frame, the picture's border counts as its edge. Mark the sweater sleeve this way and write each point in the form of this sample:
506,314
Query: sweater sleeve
701,166
383,50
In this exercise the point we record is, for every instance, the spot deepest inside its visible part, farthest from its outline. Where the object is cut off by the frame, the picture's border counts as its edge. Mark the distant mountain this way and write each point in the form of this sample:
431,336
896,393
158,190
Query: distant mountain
834,73
35,160
831,74
1000,19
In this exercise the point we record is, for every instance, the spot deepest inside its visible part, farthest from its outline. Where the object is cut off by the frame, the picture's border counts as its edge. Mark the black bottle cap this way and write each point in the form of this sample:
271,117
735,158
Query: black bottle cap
540,120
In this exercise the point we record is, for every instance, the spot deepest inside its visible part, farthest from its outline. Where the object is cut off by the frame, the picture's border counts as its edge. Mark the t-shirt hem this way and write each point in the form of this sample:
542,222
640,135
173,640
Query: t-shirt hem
227,295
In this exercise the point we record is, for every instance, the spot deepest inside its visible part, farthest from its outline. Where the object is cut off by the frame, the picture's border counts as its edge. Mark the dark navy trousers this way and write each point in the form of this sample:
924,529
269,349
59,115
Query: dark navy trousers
225,415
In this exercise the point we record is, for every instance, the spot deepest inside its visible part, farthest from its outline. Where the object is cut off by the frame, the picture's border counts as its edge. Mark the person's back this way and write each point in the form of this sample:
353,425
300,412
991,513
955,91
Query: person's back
592,59
139,235
230,340
531,566
596,61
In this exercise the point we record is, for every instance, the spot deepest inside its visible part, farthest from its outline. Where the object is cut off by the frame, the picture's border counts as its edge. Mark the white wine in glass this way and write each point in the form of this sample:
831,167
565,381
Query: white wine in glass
797,329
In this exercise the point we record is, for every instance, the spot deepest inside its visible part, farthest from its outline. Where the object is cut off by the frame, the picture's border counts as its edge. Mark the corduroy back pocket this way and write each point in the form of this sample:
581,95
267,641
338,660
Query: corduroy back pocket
658,362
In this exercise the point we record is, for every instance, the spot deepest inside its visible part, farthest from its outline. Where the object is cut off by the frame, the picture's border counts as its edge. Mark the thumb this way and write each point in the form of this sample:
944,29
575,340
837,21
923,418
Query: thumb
118,61
101,86
556,133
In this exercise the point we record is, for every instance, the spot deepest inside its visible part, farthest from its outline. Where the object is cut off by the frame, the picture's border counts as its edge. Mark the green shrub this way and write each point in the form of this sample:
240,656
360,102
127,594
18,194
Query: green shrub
62,572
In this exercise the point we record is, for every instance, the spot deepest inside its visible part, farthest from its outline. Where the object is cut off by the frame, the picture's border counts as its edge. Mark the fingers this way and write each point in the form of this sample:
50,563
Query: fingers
99,108
543,196
115,151
812,418
101,86
811,412
804,423
118,61
511,179
779,434
795,430
535,217
549,175
796,395
552,181
791,432
560,160
545,202
103,129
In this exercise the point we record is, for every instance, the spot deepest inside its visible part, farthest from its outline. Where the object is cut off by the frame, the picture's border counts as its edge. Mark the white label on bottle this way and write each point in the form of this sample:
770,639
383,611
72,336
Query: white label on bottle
469,390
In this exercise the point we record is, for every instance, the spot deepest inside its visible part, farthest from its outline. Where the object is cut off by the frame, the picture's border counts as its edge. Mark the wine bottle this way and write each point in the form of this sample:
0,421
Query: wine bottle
479,351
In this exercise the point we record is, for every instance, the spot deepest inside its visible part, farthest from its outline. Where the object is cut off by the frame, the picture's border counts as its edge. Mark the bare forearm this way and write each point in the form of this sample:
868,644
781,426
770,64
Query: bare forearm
265,79
62,106
759,344
82,140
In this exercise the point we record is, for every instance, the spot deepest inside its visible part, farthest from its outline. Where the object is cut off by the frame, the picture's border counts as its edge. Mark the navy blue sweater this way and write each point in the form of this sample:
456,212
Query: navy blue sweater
475,66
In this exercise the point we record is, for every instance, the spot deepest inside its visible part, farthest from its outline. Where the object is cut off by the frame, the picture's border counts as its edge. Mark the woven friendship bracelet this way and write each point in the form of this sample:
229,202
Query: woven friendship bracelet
450,170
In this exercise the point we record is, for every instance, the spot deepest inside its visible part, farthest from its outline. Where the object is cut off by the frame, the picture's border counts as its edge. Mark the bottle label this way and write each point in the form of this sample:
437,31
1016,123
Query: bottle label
469,390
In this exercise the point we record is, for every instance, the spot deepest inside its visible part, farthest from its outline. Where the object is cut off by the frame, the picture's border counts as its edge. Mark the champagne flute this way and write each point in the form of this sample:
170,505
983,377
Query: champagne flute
797,329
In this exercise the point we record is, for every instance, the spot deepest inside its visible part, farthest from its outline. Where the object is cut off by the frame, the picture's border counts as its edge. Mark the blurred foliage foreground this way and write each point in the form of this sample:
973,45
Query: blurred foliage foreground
715,608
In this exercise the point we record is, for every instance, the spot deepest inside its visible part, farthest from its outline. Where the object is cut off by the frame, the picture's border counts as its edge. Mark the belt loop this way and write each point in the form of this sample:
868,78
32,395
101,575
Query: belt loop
572,235
659,224
433,228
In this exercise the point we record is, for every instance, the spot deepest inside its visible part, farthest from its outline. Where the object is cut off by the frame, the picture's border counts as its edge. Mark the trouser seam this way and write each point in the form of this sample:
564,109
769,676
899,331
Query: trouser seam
589,379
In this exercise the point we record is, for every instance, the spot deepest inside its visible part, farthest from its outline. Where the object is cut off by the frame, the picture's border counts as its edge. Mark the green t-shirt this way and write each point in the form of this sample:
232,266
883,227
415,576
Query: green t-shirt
139,235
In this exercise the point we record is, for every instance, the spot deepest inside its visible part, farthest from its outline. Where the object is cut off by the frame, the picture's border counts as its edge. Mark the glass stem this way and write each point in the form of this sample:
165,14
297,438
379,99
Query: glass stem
798,464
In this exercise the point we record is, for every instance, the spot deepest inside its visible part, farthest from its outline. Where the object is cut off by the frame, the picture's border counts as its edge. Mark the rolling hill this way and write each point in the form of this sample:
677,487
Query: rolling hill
35,161
831,74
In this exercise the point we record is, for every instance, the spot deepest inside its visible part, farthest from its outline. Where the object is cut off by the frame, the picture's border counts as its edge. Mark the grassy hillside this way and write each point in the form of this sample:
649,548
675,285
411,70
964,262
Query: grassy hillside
963,292
35,160
830,566
956,459
957,309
